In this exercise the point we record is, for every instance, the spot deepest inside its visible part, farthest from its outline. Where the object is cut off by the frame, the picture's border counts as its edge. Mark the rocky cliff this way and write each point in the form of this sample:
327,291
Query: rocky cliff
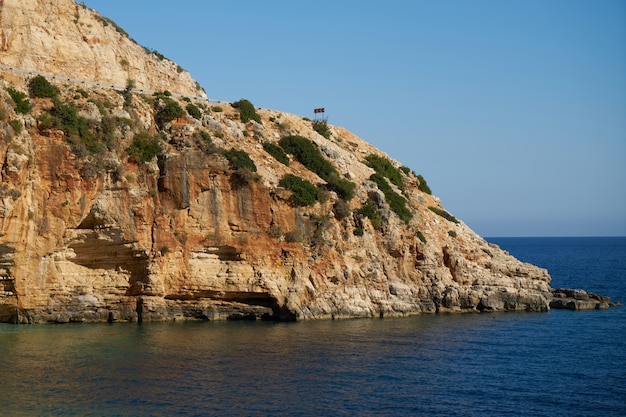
66,39
123,206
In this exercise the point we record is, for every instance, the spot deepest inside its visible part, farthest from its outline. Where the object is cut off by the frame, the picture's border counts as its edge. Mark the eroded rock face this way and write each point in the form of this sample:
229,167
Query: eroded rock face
96,236
183,237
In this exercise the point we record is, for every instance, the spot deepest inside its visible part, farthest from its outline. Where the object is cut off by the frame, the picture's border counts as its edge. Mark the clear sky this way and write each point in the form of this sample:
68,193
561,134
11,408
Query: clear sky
513,110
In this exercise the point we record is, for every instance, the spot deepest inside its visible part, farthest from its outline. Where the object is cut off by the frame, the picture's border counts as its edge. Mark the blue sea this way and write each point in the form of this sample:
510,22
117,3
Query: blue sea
515,364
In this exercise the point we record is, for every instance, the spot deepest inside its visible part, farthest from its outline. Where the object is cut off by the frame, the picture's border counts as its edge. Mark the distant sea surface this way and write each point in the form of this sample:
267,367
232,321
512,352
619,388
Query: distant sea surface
515,364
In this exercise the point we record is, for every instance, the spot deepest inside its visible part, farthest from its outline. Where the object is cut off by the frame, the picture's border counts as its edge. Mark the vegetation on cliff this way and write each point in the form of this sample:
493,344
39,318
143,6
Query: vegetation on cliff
309,155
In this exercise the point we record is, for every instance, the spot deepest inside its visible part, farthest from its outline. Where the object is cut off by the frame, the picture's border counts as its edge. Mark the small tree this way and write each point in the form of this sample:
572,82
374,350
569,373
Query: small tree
168,113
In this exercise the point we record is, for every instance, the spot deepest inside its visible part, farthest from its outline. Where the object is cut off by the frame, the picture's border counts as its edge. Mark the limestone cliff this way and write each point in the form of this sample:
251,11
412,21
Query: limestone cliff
94,227
66,39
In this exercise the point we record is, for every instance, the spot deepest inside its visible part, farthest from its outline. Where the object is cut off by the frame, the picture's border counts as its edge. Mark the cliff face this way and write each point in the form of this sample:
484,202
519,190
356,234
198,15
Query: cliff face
66,39
89,233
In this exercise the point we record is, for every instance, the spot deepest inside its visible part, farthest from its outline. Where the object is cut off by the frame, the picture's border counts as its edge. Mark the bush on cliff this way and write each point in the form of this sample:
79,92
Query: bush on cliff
169,112
40,87
247,111
304,192
309,155
22,105
144,147
422,185
443,214
385,168
239,159
321,127
77,131
396,202
193,111
277,152
370,210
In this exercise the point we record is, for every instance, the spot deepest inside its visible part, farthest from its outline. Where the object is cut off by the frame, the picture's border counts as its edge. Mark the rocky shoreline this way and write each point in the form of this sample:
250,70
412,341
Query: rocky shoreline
570,299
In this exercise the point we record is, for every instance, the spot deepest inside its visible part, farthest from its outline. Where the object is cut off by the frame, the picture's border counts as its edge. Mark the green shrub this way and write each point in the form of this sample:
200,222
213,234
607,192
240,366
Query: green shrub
421,237
144,147
309,155
40,87
17,126
370,210
443,214
383,167
168,113
396,202
76,128
277,152
22,105
217,109
422,185
239,159
343,187
193,111
451,233
304,193
358,231
247,111
321,127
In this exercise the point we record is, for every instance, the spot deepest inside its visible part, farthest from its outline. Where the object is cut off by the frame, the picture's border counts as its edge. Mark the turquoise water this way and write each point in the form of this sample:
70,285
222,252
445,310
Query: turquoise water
561,362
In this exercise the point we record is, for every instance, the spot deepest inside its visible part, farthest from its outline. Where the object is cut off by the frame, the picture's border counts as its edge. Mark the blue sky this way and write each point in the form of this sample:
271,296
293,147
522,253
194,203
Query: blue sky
513,111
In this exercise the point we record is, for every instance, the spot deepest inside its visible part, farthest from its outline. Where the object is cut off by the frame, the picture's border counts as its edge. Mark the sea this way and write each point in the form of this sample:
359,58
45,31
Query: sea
560,362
